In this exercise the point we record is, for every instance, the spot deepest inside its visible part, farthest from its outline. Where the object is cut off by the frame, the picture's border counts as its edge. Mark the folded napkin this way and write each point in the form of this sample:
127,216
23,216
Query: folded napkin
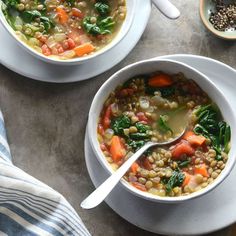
27,206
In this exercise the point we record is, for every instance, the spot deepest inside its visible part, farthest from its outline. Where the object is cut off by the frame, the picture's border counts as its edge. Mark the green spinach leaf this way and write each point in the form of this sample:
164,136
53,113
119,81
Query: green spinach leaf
175,180
162,123
120,123
210,126
141,127
139,136
11,3
134,144
184,163
102,26
29,16
102,8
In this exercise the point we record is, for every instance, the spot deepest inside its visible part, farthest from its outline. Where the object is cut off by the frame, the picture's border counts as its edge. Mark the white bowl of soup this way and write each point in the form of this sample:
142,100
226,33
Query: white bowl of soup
67,32
156,100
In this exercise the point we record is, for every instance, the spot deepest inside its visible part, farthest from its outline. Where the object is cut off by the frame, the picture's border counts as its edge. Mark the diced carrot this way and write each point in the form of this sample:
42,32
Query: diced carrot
197,140
161,80
134,167
59,48
46,50
77,13
139,186
62,15
100,129
71,43
187,179
125,92
146,164
84,49
116,149
201,170
180,149
107,118
194,139
141,116
188,134
42,38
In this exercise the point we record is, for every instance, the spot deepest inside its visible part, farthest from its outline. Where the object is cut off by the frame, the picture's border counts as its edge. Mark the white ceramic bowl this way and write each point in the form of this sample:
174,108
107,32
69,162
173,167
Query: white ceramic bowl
130,4
172,67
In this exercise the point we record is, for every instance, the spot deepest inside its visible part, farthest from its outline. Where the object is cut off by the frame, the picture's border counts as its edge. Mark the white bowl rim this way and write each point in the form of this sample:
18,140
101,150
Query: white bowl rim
78,60
148,196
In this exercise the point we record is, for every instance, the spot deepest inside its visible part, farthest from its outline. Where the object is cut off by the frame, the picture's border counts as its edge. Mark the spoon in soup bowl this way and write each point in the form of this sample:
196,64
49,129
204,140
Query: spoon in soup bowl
98,195
167,8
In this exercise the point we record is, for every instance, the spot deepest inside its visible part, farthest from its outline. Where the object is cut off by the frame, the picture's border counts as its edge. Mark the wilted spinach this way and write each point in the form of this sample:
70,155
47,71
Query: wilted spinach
102,8
163,126
184,163
102,26
176,179
120,123
210,126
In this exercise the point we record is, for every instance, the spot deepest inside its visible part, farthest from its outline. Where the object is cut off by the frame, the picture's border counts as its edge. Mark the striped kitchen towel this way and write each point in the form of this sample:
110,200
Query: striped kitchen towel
27,206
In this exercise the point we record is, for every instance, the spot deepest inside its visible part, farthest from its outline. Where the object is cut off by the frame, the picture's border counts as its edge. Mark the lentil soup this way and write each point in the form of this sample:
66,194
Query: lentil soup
65,29
158,107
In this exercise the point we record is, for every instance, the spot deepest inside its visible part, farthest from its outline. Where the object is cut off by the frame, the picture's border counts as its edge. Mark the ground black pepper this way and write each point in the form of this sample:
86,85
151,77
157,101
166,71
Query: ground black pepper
224,16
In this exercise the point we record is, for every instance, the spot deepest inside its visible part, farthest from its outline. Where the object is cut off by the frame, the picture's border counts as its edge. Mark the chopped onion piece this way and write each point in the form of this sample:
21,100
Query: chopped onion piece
59,37
51,42
114,108
108,134
144,102
68,54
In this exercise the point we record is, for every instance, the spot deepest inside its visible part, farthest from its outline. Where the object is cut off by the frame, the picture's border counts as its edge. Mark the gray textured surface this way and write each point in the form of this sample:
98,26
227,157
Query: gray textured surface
46,122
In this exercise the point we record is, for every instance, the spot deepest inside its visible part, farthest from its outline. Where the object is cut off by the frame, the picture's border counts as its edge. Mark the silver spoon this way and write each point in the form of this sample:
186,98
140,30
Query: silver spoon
98,195
167,8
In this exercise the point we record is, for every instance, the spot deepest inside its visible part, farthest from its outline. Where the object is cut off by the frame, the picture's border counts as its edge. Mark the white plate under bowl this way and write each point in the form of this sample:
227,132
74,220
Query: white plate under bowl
17,59
208,213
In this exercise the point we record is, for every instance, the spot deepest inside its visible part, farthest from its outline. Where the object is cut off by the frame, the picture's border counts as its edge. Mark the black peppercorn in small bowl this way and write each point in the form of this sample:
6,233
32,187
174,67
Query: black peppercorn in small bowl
219,17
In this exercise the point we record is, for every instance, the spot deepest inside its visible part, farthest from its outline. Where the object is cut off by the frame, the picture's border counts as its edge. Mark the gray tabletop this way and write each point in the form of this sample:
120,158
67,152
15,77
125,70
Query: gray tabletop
46,122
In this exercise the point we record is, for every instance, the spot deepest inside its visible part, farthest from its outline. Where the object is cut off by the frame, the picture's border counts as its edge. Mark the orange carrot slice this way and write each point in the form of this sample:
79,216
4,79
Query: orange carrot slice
77,13
116,149
139,186
84,49
186,179
197,140
202,170
62,15
161,80
188,134
134,167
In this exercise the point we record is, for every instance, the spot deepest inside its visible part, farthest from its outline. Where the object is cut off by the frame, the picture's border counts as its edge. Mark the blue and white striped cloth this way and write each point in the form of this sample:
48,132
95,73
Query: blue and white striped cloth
27,206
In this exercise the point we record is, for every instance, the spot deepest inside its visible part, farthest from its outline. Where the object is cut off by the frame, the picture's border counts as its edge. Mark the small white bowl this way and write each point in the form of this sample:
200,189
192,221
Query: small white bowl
171,67
131,6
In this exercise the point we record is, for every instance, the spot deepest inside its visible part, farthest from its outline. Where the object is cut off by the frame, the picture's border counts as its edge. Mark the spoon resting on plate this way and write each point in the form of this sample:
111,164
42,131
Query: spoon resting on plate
167,8
98,195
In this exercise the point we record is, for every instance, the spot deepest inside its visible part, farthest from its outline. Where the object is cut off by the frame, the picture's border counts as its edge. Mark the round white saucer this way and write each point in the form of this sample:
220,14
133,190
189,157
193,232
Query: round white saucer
202,215
17,59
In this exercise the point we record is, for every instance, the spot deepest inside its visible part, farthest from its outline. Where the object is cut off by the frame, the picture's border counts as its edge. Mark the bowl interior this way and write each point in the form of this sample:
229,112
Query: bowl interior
208,6
130,4
171,67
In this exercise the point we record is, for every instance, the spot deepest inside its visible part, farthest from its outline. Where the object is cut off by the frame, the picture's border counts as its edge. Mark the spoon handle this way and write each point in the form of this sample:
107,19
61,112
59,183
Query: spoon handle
98,195
167,8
